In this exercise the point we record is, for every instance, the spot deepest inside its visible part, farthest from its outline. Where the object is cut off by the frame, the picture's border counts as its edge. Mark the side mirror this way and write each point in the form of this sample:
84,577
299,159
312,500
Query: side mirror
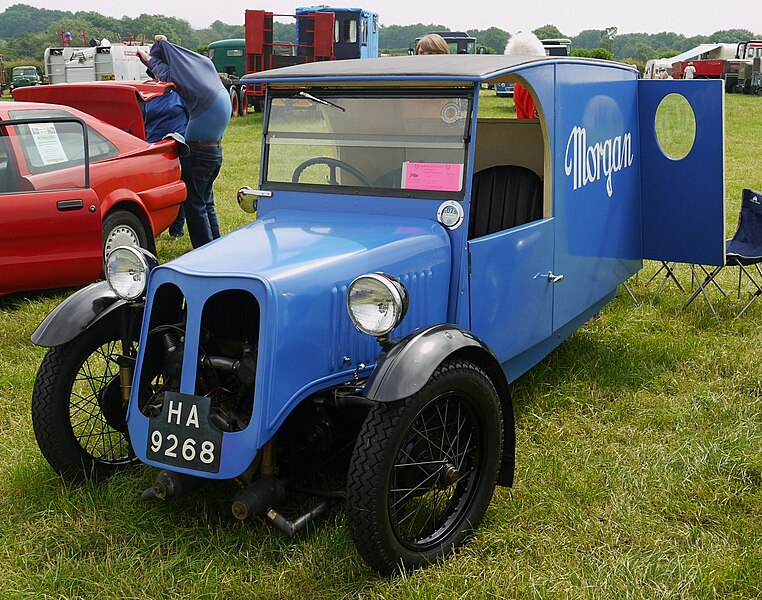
248,198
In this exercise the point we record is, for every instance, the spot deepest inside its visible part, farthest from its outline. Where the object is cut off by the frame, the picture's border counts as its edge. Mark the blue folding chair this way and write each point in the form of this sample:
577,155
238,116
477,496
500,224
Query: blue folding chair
743,250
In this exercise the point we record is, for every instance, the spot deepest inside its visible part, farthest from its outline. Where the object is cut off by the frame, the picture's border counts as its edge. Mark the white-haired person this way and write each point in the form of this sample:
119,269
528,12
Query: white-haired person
524,44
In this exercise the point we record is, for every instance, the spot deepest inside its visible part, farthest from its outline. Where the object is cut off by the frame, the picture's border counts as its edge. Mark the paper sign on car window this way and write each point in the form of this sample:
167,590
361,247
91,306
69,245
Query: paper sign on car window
48,143
440,177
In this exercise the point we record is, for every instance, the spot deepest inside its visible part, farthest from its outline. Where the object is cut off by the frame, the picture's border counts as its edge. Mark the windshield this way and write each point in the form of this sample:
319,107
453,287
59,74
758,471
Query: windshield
25,72
414,143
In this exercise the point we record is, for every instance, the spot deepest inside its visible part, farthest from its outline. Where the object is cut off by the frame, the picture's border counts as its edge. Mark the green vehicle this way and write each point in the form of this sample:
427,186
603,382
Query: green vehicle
25,76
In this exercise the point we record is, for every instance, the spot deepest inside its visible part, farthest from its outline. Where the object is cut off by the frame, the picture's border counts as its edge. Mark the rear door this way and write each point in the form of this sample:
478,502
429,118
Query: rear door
682,175
50,221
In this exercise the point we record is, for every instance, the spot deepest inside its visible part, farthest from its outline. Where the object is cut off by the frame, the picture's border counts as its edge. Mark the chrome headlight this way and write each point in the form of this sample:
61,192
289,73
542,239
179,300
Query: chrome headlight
127,270
376,303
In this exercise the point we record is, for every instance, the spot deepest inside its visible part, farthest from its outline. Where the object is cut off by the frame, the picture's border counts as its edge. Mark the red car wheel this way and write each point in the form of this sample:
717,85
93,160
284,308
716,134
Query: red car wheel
122,228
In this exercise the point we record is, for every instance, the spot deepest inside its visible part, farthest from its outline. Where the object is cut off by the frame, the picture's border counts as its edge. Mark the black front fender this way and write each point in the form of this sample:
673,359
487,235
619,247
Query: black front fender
408,365
75,314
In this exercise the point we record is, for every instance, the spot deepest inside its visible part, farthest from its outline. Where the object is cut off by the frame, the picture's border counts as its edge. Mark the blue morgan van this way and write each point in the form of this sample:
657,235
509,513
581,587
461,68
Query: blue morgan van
409,260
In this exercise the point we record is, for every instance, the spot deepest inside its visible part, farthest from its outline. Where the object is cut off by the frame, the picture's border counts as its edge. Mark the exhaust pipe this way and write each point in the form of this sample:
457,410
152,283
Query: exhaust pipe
258,497
169,484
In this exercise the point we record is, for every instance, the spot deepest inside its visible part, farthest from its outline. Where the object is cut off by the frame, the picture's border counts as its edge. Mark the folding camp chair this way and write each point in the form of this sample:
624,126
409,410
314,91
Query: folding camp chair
669,273
743,250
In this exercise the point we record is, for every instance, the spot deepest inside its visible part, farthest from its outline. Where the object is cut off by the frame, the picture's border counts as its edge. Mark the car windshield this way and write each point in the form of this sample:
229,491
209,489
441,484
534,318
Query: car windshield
415,143
24,72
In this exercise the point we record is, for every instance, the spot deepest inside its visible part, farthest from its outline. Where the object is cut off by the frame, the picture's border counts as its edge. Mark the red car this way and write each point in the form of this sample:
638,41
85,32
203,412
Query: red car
73,186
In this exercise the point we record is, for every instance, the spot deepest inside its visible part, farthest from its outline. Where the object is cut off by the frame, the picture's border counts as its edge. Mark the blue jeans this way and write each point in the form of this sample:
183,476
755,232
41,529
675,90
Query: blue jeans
200,169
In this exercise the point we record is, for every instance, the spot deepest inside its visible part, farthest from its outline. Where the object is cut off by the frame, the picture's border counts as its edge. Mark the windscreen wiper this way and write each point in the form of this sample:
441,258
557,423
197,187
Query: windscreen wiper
320,101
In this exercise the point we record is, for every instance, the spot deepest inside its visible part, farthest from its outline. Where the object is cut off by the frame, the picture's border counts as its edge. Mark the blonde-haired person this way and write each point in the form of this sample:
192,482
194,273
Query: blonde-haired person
524,43
431,43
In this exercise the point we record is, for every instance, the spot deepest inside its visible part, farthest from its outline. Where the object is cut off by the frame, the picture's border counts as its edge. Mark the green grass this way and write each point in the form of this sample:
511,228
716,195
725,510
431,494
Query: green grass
639,464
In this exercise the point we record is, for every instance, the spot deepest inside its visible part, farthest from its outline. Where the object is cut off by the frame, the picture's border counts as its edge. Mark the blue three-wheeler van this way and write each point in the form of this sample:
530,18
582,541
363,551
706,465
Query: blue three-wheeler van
408,261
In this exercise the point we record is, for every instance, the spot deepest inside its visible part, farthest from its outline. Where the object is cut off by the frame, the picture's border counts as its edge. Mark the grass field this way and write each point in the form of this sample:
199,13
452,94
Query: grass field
639,464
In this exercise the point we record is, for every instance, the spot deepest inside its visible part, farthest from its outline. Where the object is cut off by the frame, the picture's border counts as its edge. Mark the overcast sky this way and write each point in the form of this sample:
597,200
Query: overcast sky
700,17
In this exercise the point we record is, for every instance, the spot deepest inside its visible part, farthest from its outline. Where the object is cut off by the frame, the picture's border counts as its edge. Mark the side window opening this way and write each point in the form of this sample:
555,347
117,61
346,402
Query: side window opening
508,186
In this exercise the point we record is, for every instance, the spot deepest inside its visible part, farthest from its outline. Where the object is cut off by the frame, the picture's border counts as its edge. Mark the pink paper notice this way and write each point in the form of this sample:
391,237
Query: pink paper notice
440,177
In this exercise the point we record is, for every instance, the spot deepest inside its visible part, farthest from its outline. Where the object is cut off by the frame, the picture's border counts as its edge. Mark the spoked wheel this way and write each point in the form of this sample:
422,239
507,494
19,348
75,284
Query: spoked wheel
423,469
77,411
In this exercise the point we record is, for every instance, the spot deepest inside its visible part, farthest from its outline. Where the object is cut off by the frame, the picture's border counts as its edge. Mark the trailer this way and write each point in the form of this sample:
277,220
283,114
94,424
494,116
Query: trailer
321,34
116,62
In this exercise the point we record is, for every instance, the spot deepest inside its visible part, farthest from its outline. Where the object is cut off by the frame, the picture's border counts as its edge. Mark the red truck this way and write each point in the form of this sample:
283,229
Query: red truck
322,33
705,69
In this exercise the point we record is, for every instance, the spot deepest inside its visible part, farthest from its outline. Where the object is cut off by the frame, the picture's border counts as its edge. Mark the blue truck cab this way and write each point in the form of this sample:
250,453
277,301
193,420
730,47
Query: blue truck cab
409,260
355,31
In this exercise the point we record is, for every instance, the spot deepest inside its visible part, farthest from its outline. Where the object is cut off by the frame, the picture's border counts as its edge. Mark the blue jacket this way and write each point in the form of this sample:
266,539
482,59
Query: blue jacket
163,115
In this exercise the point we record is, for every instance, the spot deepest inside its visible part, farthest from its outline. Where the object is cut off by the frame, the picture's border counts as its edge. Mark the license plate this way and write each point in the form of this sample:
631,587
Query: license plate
182,435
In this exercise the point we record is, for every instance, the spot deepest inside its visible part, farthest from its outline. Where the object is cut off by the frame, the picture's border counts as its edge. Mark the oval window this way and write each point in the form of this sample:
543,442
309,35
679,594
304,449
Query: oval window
675,125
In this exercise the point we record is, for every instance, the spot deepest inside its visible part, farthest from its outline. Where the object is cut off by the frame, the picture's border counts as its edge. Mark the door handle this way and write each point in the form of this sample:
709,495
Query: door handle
554,278
64,205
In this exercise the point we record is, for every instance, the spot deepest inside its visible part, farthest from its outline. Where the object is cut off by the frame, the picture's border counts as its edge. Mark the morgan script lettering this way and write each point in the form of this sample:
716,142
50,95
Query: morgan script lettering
588,163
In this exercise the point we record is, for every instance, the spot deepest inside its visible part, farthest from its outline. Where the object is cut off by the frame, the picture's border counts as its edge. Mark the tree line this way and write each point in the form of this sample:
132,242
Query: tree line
25,32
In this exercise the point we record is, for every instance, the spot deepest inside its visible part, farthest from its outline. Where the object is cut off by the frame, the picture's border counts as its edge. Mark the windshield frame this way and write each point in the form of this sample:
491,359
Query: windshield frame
330,94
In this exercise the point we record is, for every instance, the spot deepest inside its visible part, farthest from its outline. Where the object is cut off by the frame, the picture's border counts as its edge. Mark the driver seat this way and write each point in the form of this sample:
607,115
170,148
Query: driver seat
503,197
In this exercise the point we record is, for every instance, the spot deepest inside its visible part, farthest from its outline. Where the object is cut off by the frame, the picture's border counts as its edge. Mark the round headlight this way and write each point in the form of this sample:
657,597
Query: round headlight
127,272
376,303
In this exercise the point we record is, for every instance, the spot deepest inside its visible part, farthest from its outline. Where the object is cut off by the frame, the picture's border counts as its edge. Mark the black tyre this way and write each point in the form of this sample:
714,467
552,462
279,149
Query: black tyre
123,228
77,412
423,469
243,103
233,102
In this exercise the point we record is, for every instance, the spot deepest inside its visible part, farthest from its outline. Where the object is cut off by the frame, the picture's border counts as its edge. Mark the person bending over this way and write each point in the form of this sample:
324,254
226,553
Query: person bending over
208,105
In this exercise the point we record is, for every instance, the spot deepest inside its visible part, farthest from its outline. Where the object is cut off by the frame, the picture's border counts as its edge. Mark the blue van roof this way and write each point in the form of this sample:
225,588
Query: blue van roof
450,67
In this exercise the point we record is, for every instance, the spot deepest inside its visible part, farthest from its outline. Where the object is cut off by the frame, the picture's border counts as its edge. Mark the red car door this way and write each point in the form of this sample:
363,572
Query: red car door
50,227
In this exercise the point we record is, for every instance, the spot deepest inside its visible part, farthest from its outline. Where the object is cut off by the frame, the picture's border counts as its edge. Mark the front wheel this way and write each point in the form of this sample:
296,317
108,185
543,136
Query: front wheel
423,469
77,412
123,228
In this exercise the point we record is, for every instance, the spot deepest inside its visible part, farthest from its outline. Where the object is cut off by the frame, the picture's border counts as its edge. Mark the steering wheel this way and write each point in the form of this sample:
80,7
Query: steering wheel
334,164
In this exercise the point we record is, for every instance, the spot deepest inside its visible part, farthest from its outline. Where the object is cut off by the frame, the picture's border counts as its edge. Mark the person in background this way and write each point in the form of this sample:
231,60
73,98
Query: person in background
524,44
208,105
162,116
431,43
689,72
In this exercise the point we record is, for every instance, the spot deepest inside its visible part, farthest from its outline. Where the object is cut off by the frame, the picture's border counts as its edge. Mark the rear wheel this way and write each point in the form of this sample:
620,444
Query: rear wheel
243,105
123,228
233,102
423,469
77,412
